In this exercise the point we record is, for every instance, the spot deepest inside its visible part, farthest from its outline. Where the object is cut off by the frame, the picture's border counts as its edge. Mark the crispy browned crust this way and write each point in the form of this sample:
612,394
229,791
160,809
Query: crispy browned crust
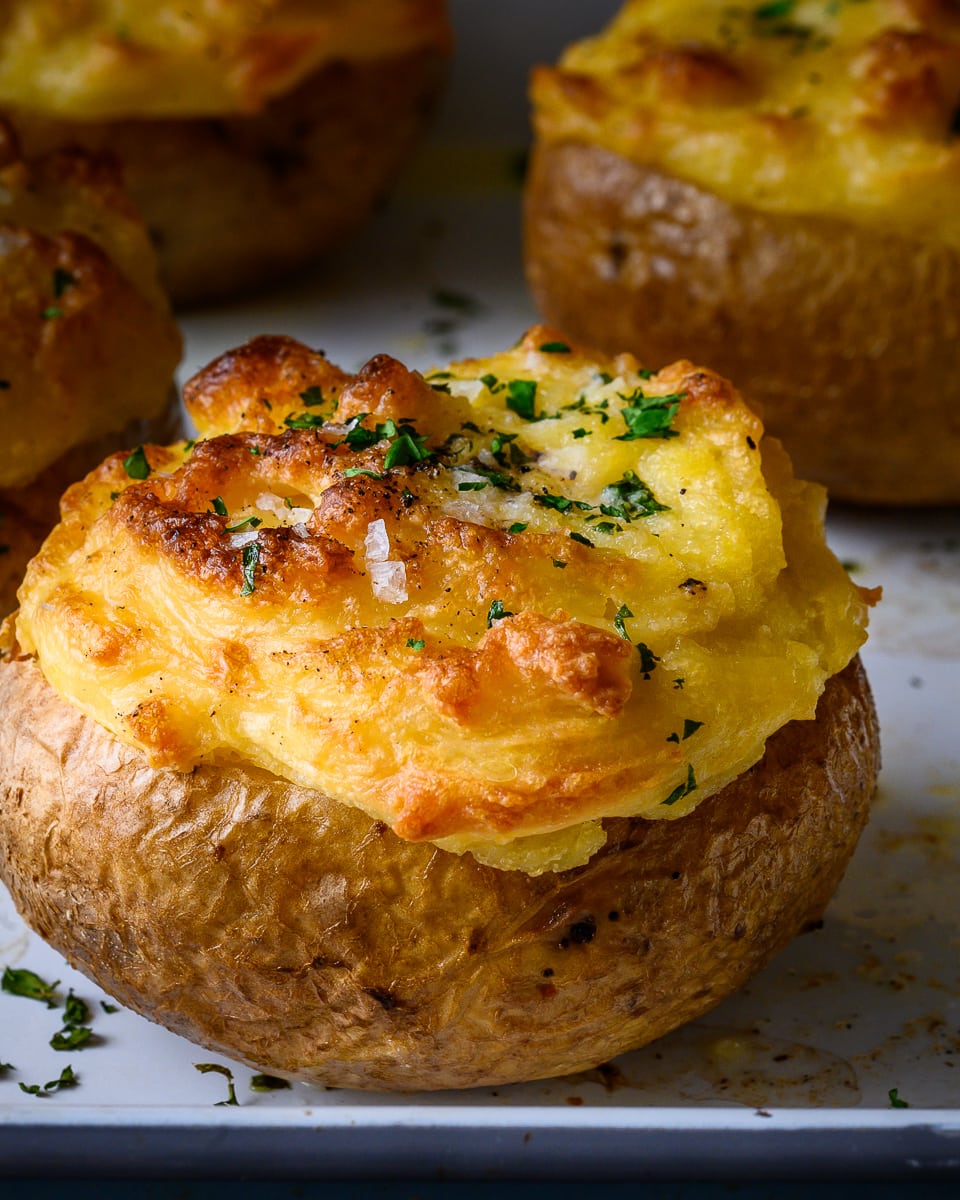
238,202
27,514
847,340
268,922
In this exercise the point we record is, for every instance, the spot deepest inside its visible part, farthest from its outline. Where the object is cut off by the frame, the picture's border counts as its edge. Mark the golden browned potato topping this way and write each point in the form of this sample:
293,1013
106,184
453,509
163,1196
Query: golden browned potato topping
841,107
106,59
87,342
488,607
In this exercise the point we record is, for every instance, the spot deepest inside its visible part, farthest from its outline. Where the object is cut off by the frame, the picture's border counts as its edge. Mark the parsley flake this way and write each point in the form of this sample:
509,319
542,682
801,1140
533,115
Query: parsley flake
72,1038
303,420
312,396
517,527
51,312
268,1083
21,982
895,1101
247,522
559,563
496,612
554,348
578,537
136,466
629,499
217,1069
521,398
219,507
67,1079
416,644
682,789
472,485
618,621
351,472
649,416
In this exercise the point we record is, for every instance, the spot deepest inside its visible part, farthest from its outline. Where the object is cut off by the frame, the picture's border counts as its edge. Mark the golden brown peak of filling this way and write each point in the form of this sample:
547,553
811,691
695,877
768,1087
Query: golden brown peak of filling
88,343
845,108
489,606
108,59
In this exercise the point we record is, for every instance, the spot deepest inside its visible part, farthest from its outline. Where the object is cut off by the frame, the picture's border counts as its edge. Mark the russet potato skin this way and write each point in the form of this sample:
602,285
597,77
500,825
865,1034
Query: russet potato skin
270,923
233,202
826,325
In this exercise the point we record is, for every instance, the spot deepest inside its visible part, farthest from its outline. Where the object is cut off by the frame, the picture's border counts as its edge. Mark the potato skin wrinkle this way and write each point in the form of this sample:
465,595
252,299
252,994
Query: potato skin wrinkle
776,195
267,922
286,593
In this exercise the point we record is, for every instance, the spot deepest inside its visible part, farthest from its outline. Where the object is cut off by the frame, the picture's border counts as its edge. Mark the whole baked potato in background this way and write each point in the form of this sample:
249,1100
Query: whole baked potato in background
398,734
254,136
87,344
772,191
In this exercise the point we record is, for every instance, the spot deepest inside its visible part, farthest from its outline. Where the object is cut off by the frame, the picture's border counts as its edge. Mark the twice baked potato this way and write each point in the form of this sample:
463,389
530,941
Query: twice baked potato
772,190
87,344
410,732
254,134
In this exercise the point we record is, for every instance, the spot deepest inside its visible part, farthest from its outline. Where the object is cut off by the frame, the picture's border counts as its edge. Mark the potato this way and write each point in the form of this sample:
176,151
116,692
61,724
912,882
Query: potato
774,192
277,926
255,137
827,326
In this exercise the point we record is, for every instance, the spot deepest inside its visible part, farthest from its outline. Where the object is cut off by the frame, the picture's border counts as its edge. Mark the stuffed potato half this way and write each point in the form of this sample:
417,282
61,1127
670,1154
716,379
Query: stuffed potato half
416,697
773,190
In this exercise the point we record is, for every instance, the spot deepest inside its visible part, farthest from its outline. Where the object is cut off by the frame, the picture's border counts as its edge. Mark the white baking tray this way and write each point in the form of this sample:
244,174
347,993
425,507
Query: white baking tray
791,1077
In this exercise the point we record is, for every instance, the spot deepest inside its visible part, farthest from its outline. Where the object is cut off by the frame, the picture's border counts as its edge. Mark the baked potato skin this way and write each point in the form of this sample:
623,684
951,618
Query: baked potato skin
827,326
236,202
279,927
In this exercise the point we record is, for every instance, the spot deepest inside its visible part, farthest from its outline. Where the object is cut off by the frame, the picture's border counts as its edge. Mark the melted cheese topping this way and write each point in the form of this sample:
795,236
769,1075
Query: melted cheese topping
488,608
105,59
847,108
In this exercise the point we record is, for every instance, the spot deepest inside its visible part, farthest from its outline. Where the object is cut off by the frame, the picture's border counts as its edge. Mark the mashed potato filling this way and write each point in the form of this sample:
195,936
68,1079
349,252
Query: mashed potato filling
833,107
109,59
606,591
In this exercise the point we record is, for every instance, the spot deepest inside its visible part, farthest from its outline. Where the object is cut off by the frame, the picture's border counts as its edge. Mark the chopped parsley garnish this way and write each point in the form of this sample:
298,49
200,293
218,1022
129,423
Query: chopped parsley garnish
472,485
72,1038
895,1101
136,466
109,1008
62,280
21,982
560,503
678,684
250,559
578,537
646,373
75,1011
504,446
618,621
517,527
50,313
416,644
521,398
407,446
303,420
312,396
774,9
581,433
682,789
492,383
268,1083
555,348
350,472
4,1067
496,612
217,1069
219,507
441,387
247,522
648,660
559,563
499,480
689,728
67,1079
649,416
629,498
